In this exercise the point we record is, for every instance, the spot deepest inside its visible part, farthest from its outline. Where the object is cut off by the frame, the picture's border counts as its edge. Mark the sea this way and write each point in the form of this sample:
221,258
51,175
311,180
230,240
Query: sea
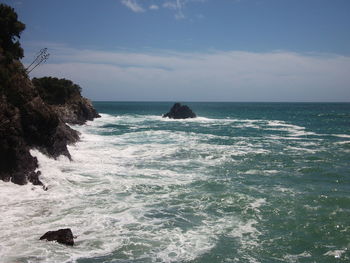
242,182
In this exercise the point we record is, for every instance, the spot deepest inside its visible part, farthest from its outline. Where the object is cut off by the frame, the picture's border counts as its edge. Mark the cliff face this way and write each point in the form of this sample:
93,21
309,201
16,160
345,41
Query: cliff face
16,163
64,97
32,116
77,111
27,121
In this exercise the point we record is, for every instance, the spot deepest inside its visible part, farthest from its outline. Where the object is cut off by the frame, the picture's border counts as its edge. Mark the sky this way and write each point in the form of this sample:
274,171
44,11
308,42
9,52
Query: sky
193,50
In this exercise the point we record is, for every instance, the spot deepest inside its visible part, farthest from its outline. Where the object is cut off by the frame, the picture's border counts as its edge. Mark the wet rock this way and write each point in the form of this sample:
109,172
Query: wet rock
62,236
76,111
17,164
179,111
27,122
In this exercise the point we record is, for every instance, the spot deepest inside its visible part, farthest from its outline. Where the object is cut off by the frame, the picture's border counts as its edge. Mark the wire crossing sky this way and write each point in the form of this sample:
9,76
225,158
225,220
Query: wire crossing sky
193,50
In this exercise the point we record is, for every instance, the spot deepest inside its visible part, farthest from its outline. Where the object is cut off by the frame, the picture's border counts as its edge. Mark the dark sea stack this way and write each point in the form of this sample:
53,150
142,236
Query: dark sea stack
65,98
179,111
62,236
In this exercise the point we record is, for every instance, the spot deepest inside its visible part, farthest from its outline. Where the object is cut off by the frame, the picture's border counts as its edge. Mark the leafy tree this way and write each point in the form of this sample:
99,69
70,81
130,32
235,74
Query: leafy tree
56,91
10,31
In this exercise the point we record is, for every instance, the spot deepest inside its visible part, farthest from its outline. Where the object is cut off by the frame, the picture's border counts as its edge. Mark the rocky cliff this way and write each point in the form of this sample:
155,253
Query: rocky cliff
64,97
28,121
30,116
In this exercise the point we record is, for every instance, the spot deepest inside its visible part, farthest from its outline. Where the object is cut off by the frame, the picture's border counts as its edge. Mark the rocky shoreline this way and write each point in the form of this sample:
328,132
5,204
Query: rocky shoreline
27,121
33,113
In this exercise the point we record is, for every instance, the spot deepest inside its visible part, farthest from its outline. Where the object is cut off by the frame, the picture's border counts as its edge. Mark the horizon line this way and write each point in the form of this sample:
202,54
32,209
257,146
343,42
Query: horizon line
199,101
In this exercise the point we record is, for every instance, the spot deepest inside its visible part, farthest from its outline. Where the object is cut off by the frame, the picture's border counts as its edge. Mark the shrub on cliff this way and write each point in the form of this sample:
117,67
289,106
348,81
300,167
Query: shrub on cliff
10,48
10,31
56,91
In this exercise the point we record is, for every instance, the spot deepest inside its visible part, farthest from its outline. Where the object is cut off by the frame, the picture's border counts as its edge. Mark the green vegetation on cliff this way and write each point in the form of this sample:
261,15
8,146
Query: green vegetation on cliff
10,31
10,48
56,91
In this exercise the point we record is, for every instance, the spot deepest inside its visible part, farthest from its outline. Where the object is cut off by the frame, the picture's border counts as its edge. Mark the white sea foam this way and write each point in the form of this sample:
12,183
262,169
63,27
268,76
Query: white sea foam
336,253
293,258
312,208
260,172
292,130
126,194
344,142
341,135
257,203
248,232
110,195
301,149
286,190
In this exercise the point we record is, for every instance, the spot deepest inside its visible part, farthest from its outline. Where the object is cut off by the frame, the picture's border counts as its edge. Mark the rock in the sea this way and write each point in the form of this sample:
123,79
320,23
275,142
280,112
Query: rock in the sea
179,111
63,236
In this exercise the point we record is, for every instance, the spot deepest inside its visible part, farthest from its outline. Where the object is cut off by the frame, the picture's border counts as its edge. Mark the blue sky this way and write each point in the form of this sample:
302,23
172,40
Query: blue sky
193,50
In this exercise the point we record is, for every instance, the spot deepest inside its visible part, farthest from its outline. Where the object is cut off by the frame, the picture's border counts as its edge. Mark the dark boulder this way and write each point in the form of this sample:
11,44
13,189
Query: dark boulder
63,236
179,111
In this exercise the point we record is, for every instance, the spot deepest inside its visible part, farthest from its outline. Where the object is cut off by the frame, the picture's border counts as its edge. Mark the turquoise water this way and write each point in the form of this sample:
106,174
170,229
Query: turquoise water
282,171
243,182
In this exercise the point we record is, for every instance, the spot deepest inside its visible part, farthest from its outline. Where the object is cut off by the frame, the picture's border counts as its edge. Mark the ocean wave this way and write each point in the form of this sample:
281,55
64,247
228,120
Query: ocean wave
110,195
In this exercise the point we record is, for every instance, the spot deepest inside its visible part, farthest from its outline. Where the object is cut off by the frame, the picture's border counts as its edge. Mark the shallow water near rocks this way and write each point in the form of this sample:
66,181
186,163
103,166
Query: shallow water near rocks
243,182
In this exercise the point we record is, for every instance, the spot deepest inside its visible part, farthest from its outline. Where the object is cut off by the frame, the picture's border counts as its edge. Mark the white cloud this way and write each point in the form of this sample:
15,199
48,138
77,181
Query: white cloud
206,76
170,5
179,15
153,7
178,6
133,5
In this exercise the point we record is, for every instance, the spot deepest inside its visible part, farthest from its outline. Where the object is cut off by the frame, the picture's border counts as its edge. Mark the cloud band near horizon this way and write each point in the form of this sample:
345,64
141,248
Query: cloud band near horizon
202,76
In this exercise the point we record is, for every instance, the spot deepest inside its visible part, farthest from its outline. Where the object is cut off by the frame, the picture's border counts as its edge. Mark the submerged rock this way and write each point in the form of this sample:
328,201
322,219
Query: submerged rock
62,236
179,111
